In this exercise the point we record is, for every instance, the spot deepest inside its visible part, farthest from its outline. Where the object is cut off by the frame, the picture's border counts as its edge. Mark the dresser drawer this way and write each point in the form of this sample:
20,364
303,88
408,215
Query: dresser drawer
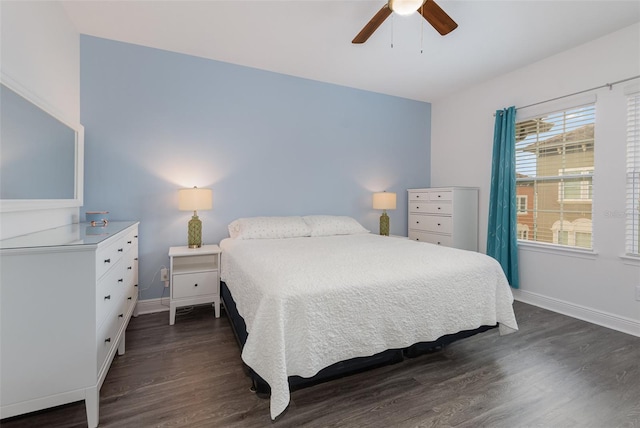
445,195
430,223
131,297
109,292
130,300
130,240
419,196
106,339
130,267
194,284
442,208
108,257
432,238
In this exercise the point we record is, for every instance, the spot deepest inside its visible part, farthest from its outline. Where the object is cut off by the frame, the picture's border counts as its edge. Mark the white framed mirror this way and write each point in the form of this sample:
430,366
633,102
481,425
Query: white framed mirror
41,153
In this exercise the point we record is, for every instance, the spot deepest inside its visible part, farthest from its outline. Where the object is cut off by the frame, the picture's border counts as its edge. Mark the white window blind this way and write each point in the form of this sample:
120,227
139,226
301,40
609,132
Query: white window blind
554,174
633,175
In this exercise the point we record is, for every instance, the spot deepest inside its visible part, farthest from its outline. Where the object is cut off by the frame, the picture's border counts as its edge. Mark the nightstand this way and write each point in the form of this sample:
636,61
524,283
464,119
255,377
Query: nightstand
194,278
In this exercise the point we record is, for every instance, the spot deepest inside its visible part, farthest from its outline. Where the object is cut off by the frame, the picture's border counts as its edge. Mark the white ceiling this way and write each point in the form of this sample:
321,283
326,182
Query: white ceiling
312,38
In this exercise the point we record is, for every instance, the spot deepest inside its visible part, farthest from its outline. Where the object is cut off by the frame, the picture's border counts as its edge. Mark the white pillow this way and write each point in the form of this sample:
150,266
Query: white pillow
268,228
327,225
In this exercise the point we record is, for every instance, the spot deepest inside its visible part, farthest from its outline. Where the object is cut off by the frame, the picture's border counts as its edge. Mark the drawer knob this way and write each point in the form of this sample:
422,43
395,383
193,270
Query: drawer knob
417,208
119,250
135,236
195,285
438,242
107,260
121,316
128,242
107,297
121,280
129,268
129,298
439,196
136,259
417,239
417,196
438,207
438,224
135,285
107,340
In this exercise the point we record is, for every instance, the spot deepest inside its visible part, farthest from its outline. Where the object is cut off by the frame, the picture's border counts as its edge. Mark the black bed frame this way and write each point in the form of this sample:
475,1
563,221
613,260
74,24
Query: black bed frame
339,369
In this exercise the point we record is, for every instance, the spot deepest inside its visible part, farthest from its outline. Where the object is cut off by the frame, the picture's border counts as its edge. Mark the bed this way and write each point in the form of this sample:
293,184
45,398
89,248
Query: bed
318,296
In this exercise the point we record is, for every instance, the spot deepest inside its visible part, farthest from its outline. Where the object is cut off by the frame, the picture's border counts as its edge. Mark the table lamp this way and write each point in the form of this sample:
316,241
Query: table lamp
384,201
193,200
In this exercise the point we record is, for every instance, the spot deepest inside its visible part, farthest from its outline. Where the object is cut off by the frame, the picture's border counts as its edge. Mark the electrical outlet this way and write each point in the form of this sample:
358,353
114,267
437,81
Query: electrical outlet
164,274
638,293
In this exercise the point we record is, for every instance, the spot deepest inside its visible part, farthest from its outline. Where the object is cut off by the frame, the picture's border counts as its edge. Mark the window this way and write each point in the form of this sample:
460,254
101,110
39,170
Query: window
554,176
562,237
633,175
523,231
521,203
573,233
576,189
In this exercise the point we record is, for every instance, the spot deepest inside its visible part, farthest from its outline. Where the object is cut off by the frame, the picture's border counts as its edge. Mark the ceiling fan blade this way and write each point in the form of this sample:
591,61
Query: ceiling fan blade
372,25
437,17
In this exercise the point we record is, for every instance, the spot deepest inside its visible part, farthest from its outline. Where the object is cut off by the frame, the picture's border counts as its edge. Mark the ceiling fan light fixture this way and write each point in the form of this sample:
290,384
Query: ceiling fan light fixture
405,7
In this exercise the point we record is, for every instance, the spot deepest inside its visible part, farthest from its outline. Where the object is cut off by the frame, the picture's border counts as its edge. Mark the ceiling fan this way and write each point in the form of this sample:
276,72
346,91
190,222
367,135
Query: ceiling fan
427,8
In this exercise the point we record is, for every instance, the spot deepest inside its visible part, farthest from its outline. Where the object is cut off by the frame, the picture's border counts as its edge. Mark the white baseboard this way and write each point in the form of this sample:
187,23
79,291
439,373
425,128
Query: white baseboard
604,319
151,306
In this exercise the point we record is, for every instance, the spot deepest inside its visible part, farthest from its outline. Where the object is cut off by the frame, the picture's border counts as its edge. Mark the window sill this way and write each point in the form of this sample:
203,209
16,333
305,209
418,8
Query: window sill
630,260
557,249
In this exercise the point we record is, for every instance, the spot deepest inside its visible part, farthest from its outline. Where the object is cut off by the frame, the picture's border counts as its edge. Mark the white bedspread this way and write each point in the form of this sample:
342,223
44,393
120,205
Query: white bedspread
311,302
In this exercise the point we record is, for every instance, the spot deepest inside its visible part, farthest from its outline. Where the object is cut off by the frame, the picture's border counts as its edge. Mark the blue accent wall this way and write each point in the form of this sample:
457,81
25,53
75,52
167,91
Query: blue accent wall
265,143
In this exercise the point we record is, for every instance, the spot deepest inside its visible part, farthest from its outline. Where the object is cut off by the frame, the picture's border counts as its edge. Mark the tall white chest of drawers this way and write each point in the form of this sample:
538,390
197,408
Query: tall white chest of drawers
444,216
66,297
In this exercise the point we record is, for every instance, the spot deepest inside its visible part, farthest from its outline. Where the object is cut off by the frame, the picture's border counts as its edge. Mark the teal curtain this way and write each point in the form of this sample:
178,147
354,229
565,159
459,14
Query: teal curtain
502,238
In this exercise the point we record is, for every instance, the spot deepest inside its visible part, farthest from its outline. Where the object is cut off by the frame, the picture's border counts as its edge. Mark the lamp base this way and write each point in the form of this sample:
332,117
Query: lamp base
384,224
195,232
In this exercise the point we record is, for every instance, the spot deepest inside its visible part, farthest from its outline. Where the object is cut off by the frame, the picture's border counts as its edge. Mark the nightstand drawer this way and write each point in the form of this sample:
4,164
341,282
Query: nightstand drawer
430,223
194,284
432,238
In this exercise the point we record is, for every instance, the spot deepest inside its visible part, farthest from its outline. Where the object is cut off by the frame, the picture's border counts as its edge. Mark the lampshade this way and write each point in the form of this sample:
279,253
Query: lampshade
195,199
384,201
405,7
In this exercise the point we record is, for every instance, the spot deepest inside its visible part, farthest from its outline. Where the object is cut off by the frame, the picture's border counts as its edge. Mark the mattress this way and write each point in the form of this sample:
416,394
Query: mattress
310,302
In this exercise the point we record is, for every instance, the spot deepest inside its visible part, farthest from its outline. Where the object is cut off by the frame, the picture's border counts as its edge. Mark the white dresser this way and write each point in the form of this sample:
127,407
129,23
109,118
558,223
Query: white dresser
444,216
66,297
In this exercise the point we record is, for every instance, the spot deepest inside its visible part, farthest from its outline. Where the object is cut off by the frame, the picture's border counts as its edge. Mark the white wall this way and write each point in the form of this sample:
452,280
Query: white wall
599,288
40,50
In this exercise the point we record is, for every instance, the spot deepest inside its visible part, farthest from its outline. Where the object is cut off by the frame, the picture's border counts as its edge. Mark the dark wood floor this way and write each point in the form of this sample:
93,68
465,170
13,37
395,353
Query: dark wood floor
555,372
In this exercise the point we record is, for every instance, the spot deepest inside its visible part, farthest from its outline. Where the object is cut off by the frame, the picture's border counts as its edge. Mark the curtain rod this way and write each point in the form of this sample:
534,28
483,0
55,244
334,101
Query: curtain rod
606,85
